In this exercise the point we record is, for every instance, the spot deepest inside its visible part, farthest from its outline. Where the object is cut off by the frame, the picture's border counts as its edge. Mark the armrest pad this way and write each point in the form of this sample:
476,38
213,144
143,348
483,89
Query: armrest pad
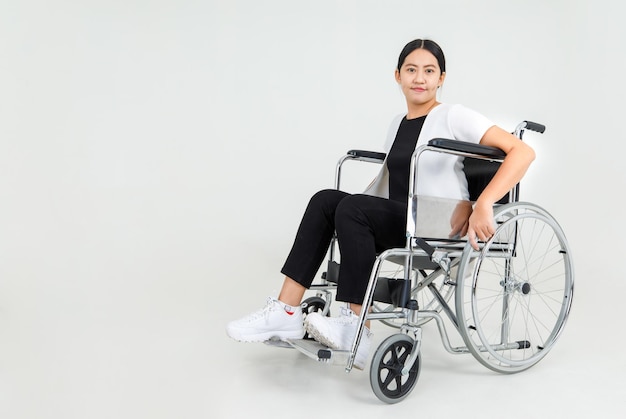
466,147
367,155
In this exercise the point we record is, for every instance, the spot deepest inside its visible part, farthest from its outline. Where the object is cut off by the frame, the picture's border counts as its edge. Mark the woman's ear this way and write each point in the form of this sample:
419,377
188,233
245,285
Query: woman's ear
397,75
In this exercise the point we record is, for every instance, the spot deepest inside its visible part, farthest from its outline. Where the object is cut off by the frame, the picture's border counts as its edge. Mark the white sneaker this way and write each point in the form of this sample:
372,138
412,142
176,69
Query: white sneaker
338,333
275,320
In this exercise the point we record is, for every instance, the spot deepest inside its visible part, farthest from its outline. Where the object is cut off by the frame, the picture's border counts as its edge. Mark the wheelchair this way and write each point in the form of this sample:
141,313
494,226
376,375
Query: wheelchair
511,299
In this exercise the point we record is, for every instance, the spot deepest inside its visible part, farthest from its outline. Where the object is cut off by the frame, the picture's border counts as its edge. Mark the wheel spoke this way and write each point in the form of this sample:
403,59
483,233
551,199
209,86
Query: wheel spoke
386,378
514,298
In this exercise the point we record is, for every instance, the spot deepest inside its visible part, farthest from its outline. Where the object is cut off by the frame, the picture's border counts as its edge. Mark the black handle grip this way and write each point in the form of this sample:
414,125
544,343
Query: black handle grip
374,155
533,126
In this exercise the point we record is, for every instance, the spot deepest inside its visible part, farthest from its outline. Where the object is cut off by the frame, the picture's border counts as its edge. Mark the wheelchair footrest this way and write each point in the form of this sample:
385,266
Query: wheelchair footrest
319,352
278,343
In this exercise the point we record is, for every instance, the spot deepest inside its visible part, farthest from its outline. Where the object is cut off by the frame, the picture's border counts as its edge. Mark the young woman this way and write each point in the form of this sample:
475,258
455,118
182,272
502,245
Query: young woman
368,223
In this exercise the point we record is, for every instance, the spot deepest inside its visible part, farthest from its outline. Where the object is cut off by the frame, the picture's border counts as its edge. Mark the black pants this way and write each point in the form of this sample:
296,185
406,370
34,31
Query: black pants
365,226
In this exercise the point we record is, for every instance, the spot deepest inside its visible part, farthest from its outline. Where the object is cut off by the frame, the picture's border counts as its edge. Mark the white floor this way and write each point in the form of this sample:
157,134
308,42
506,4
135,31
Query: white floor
156,348
580,378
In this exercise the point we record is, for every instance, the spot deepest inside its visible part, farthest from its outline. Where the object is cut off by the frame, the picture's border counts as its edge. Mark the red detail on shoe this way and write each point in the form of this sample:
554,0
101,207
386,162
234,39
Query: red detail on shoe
289,312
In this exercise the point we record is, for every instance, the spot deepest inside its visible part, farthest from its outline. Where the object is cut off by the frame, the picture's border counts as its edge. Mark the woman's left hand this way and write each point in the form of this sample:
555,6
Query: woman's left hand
481,224
459,221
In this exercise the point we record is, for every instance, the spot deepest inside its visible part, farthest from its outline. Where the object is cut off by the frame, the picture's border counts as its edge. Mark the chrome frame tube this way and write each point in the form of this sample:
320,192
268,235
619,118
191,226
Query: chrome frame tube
412,249
413,202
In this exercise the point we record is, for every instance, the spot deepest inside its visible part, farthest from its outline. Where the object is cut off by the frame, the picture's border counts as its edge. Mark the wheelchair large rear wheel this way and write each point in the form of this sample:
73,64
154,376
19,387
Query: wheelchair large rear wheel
513,296
386,378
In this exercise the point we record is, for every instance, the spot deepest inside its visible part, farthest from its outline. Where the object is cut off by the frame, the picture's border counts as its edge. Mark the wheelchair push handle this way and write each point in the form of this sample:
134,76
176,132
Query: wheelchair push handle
534,126
528,125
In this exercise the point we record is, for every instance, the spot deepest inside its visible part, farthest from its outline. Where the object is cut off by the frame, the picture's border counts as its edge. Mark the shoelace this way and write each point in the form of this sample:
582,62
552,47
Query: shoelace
349,317
264,312
346,316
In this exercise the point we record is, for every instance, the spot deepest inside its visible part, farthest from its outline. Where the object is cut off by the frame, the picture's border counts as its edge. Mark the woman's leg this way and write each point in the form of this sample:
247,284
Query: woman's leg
282,318
310,245
365,226
292,292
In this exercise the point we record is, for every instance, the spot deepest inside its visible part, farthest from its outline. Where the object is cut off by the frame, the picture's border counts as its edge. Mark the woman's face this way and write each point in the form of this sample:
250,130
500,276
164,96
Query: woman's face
419,77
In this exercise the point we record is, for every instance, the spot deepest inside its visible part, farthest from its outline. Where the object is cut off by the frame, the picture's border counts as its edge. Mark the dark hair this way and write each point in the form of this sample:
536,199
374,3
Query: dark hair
426,44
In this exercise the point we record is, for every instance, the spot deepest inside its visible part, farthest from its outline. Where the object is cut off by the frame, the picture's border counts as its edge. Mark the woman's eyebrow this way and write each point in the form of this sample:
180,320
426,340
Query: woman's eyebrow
416,65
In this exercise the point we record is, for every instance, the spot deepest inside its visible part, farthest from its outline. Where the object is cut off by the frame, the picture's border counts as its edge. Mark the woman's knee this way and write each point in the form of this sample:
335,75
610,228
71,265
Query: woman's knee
351,208
327,198
324,194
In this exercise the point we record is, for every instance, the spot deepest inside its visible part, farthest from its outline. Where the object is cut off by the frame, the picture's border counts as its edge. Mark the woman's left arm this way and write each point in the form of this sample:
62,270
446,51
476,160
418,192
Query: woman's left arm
518,158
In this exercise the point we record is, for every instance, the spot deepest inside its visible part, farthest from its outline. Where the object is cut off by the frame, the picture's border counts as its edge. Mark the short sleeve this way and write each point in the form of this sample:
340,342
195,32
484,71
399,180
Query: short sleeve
467,124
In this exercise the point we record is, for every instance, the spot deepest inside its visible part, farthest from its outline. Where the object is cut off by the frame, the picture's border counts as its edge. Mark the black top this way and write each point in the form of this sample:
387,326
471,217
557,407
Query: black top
399,158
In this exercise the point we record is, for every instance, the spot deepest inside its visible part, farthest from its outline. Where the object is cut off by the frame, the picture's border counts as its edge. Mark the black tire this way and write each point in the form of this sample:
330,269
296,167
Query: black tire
386,378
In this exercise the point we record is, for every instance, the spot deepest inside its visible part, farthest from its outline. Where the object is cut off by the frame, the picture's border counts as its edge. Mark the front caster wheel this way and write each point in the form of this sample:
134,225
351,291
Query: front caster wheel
386,378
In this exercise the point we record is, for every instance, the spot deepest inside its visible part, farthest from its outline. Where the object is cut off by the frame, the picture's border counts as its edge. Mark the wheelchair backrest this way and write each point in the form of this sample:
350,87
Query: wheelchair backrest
434,215
478,174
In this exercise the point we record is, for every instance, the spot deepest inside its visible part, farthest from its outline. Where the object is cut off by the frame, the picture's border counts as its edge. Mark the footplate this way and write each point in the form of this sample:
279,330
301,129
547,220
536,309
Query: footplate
277,342
319,352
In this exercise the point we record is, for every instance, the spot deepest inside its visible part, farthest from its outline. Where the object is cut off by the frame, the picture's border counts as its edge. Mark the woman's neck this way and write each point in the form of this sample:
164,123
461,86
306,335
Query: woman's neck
415,111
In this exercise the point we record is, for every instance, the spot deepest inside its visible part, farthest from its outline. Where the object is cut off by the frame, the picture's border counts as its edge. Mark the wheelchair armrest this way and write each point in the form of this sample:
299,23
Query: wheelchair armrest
466,147
369,156
358,155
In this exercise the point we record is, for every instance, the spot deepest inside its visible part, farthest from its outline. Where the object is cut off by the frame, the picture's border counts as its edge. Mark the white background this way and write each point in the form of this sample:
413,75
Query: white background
156,157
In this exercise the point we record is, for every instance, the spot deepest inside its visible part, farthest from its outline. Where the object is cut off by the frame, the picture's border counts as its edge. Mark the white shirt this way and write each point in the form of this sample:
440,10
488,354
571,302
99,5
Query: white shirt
439,175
